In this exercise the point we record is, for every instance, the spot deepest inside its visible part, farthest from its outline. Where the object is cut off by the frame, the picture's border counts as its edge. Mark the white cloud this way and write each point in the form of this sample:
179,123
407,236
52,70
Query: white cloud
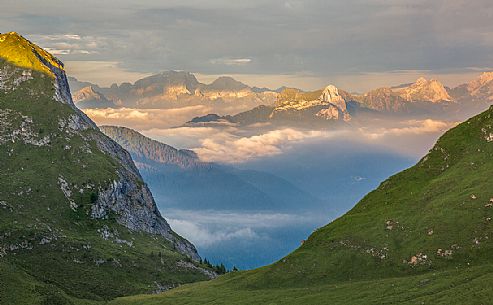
201,236
231,61
238,149
410,137
414,127
70,44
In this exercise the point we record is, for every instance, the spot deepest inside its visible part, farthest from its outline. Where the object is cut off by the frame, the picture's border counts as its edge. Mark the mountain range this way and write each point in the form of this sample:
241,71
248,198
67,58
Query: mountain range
289,106
423,98
77,220
169,89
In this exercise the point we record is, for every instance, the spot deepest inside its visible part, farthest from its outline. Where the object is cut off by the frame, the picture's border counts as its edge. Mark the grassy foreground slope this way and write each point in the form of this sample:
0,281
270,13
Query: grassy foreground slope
423,235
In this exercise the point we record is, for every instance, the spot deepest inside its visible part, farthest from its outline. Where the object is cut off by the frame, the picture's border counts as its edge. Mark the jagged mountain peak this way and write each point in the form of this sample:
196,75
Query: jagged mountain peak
329,93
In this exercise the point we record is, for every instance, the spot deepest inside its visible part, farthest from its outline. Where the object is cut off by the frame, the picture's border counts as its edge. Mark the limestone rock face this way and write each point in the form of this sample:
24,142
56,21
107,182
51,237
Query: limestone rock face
331,95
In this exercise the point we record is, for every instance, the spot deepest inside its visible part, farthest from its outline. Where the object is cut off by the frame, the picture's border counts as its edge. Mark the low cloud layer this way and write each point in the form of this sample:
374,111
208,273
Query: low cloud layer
411,138
208,228
229,144
410,127
238,149
143,119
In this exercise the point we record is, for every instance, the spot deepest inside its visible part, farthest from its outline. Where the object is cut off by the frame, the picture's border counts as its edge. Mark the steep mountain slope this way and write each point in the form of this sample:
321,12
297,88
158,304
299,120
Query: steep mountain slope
145,149
180,180
76,219
424,235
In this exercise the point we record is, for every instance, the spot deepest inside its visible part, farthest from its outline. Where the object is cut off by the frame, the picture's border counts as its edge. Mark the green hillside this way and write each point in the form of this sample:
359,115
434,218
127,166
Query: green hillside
422,237
77,221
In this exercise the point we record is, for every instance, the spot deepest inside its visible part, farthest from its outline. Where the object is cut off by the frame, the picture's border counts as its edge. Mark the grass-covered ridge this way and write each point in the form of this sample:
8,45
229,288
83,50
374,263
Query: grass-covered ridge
22,53
424,235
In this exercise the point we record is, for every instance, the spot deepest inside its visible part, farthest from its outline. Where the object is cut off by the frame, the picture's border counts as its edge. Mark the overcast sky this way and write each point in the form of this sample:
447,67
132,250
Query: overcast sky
355,44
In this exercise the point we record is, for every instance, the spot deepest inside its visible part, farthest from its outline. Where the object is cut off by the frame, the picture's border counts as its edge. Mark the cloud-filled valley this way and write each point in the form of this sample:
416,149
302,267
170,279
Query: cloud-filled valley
232,144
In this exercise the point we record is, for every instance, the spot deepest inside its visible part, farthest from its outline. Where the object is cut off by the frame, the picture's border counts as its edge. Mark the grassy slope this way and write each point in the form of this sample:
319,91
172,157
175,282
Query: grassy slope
76,262
467,286
360,259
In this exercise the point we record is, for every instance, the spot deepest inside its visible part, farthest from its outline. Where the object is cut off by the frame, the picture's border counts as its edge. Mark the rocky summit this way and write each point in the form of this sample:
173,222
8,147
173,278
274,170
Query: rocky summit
76,219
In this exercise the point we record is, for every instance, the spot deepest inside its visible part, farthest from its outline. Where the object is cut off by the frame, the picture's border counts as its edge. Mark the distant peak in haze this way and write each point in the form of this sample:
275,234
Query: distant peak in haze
90,97
475,85
227,83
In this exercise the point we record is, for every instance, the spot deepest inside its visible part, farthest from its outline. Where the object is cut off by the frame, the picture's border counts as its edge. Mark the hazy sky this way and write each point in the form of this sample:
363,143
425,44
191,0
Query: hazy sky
355,44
